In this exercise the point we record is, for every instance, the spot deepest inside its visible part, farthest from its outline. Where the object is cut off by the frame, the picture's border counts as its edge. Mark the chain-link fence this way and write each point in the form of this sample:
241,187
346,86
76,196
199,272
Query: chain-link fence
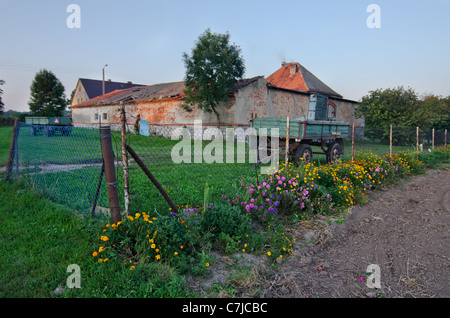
392,139
65,166
188,169
169,164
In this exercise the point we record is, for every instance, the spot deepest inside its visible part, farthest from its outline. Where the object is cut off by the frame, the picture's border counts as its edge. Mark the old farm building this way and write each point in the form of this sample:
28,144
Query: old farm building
284,93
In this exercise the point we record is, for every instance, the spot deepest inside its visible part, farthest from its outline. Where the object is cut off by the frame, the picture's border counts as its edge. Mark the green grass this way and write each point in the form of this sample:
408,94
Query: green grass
40,239
5,141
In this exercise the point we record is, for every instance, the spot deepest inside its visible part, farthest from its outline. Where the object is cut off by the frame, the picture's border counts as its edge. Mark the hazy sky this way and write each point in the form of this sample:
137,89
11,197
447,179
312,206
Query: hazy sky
143,41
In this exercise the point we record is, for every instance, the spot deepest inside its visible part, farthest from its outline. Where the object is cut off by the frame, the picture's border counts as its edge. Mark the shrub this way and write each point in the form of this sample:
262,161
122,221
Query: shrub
227,219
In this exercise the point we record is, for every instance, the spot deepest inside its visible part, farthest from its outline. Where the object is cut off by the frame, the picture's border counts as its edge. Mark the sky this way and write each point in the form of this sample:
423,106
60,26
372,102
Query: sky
143,41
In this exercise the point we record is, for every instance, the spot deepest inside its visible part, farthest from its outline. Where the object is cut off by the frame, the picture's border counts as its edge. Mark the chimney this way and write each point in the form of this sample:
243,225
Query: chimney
293,69
283,63
109,80
129,82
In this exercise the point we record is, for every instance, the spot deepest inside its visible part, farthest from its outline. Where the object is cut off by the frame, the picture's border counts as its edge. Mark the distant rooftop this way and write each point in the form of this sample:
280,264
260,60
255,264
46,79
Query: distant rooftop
149,93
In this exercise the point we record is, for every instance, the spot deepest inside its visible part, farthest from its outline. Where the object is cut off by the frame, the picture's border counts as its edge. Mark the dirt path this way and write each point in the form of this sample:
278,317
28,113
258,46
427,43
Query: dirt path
404,230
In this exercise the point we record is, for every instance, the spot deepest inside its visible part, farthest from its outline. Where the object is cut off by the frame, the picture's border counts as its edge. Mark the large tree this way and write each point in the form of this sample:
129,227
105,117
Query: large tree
392,106
212,70
1,92
47,95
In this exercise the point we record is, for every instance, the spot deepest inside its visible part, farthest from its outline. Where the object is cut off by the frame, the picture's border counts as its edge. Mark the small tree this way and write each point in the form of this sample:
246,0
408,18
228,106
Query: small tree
212,71
47,95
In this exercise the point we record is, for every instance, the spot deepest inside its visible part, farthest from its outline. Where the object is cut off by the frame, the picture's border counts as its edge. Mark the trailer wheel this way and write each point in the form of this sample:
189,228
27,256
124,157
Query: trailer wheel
333,152
303,153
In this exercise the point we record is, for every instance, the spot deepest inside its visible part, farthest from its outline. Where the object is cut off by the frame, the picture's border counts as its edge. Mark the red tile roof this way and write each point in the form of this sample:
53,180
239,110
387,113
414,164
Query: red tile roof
294,76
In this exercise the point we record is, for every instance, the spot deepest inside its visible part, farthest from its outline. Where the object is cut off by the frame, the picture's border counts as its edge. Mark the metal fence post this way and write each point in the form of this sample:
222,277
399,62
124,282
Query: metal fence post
110,174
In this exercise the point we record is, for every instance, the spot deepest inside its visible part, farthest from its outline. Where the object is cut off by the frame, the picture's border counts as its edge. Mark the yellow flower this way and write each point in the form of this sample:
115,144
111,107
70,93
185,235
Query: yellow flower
132,268
104,238
153,246
207,264
101,249
268,253
158,256
176,253
94,254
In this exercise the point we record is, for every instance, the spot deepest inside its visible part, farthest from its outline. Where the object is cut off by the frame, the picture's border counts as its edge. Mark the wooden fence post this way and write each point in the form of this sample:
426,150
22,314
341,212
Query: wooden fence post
417,140
432,145
287,143
445,141
126,182
12,150
110,173
353,142
390,142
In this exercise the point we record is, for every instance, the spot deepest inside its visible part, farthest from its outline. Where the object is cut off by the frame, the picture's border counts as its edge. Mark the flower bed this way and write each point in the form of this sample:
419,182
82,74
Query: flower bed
292,194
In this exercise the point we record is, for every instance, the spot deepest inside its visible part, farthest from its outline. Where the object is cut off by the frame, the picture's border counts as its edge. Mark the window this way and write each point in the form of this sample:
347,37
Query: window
105,116
96,116
331,111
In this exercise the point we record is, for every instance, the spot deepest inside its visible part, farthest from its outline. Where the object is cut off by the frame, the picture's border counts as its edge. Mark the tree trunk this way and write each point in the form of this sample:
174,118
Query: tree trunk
217,115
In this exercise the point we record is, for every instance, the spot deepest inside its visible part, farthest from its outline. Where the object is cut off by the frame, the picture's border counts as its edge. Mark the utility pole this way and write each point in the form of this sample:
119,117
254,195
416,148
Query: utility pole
103,81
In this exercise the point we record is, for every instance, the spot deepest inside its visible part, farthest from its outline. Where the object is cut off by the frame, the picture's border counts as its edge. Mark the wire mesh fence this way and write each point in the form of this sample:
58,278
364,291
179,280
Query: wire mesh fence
387,139
185,168
64,166
191,170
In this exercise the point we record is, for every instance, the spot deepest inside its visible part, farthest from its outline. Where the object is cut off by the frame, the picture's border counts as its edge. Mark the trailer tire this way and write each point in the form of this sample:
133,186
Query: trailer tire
303,153
333,152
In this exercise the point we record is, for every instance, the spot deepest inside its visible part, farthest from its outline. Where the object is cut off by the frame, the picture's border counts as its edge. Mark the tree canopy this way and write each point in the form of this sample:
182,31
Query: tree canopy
212,70
47,95
404,107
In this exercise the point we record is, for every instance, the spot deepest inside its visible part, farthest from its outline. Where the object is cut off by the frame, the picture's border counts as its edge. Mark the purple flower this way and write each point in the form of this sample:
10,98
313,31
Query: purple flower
173,213
275,203
224,196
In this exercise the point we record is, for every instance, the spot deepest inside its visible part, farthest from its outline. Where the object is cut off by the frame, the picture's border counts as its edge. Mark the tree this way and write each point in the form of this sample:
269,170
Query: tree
212,71
47,95
392,106
1,92
435,112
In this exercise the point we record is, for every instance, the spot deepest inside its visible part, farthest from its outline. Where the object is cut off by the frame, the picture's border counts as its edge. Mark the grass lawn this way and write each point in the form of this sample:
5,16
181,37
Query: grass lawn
40,239
5,141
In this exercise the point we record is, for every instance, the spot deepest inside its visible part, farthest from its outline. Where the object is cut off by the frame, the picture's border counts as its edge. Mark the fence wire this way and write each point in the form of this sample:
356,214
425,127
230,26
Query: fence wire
65,165
183,170
409,139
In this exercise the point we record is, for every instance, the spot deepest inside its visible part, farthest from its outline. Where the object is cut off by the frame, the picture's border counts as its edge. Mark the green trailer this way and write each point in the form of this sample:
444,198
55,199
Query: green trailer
298,135
49,126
